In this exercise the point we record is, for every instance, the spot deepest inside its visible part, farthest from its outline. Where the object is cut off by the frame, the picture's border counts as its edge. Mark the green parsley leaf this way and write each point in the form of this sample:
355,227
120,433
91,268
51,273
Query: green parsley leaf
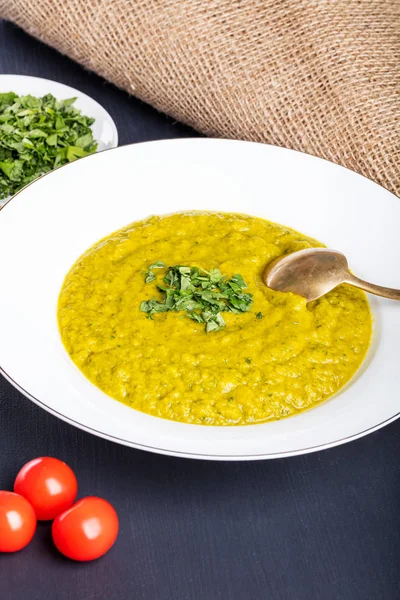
7,99
238,280
149,275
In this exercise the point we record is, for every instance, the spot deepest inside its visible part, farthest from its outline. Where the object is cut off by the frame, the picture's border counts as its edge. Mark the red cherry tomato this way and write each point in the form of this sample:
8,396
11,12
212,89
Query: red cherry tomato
49,485
17,522
87,530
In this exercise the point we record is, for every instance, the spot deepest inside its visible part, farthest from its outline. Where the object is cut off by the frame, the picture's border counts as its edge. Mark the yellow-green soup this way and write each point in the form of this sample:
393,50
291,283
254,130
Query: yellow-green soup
250,371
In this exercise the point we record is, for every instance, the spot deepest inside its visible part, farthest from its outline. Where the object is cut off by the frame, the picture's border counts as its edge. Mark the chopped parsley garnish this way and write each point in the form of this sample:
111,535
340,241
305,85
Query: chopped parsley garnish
203,295
38,135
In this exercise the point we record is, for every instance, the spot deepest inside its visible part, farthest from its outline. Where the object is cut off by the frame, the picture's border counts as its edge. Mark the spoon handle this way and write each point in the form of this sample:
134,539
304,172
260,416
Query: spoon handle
378,290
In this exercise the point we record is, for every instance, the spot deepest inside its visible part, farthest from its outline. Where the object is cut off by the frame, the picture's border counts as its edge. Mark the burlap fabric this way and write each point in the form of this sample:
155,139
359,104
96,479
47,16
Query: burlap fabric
321,76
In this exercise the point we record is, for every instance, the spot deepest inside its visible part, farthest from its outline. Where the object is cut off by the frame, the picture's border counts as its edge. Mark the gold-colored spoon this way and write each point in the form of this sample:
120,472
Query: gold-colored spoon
314,272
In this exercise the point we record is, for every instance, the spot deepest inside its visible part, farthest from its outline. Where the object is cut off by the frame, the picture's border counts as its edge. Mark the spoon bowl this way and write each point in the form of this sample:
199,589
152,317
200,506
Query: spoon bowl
314,272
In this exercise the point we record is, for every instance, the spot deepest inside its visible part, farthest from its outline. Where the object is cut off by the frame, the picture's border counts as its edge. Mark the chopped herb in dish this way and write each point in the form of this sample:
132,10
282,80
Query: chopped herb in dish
37,135
204,295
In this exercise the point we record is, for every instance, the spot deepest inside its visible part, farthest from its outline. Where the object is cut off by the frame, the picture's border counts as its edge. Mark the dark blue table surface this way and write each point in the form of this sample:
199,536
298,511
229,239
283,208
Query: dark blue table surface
323,526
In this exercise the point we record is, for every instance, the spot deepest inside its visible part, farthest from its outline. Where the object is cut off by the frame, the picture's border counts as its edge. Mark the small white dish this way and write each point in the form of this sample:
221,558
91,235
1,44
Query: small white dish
49,224
104,129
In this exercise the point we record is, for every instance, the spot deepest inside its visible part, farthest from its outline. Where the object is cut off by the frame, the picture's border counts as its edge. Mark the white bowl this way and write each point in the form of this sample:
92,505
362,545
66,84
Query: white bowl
45,227
104,129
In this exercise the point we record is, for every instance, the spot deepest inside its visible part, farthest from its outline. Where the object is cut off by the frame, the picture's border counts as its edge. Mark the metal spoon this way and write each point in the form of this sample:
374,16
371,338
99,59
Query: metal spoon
314,272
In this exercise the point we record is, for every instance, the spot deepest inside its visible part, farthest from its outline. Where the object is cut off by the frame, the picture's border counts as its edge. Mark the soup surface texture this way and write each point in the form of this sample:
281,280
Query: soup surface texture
257,368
